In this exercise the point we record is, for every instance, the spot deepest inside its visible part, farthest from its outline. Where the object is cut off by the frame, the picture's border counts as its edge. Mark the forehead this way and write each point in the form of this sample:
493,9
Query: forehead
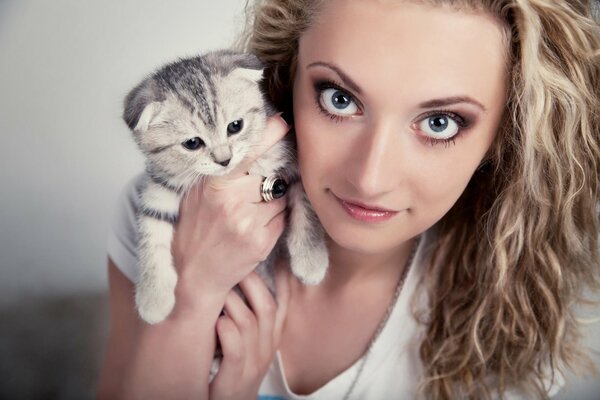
409,43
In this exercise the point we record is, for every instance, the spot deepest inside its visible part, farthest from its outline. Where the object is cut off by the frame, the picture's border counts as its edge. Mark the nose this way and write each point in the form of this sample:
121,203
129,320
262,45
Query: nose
375,157
222,155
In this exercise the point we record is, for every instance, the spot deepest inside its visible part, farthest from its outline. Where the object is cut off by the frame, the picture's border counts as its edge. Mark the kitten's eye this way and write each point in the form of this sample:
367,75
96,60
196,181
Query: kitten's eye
235,126
193,143
439,126
338,102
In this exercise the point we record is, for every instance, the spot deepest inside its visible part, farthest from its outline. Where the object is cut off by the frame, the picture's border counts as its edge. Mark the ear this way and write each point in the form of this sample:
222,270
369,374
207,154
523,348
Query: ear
147,116
138,102
253,75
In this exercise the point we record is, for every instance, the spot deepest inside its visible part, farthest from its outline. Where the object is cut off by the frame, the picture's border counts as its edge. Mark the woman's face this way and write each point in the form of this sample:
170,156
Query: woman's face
395,105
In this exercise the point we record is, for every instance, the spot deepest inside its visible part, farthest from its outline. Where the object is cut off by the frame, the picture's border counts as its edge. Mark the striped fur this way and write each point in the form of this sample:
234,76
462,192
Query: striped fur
197,98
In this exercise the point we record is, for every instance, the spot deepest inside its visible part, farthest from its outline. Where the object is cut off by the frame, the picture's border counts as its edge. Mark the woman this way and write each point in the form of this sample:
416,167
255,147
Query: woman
450,150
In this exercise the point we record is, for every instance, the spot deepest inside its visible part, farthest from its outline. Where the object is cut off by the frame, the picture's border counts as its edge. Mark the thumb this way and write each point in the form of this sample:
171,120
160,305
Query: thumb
275,131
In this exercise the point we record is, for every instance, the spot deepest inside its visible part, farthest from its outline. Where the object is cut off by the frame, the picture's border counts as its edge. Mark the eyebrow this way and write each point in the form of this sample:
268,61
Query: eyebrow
345,78
434,103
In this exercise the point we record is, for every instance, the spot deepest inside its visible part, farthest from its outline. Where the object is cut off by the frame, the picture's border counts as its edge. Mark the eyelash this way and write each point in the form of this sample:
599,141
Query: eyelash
462,122
320,87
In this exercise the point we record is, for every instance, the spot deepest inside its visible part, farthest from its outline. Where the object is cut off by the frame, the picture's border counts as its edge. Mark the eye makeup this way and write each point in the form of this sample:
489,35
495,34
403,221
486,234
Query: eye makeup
462,124
321,85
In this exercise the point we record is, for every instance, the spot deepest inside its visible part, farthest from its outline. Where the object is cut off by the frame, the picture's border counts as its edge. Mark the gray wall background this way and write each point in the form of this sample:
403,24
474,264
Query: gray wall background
65,66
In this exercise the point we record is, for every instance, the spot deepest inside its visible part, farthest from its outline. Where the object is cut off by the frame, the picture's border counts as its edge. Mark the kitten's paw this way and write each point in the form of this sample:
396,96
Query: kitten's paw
153,309
310,268
155,300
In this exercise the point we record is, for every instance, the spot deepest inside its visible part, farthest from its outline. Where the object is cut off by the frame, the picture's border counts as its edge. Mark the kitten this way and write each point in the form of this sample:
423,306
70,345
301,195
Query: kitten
197,117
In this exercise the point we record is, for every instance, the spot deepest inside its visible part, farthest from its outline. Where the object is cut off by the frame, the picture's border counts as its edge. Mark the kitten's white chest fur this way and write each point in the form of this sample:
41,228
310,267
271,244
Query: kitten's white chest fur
199,117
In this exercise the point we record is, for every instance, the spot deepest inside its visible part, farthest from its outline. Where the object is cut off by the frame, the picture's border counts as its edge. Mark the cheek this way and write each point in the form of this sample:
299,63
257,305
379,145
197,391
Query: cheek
441,181
320,152
437,189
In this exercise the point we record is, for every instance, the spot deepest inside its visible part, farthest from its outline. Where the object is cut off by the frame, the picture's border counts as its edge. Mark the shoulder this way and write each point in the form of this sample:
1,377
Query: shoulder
130,193
127,205
123,232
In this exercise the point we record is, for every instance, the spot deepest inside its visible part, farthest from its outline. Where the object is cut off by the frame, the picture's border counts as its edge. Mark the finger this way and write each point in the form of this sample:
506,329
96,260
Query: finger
282,287
263,304
245,321
275,131
190,201
247,185
271,210
276,226
232,366
247,188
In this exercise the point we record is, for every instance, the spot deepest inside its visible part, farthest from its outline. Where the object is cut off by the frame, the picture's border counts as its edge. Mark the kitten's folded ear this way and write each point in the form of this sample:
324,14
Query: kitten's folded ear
246,66
141,104
147,116
253,75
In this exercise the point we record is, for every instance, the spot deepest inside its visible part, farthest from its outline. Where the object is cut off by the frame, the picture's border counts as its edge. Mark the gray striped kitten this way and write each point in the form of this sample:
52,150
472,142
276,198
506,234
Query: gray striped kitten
198,117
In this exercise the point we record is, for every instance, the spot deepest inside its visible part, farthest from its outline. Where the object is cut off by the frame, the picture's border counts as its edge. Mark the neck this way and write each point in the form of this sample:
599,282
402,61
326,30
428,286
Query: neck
349,268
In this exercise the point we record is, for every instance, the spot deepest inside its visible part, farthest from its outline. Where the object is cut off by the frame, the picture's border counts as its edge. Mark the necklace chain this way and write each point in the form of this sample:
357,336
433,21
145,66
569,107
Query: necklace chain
384,320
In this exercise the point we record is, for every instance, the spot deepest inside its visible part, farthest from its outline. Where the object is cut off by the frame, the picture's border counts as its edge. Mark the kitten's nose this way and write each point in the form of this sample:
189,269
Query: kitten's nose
221,154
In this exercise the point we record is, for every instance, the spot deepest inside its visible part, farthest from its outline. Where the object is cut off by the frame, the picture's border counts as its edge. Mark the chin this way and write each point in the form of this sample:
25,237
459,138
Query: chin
361,241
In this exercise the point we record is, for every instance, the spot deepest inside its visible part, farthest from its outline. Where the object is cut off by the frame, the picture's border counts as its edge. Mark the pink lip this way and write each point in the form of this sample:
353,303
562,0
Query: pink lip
364,212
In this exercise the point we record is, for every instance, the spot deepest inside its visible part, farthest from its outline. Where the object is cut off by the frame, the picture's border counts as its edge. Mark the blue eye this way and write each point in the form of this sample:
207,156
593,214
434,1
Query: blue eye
337,102
439,126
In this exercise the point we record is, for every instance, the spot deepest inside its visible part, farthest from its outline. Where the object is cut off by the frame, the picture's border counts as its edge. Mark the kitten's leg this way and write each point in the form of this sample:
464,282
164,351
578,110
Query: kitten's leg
309,258
305,239
155,290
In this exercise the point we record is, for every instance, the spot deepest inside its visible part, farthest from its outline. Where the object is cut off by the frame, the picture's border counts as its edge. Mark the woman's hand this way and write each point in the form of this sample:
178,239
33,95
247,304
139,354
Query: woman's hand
249,336
225,229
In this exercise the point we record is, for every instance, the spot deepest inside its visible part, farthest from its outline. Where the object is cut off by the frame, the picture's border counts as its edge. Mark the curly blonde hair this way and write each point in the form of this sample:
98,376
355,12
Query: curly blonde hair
511,259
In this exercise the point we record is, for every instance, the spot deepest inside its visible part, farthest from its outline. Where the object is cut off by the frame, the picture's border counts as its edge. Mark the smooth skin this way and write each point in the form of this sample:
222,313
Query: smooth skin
165,360
377,151
399,68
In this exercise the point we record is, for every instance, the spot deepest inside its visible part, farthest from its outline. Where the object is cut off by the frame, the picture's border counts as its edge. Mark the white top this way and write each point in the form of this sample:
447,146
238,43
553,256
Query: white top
393,368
